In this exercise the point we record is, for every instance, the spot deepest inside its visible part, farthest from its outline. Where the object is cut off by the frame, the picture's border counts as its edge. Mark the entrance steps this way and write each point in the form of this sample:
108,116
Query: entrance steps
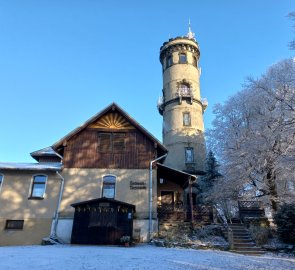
242,241
168,227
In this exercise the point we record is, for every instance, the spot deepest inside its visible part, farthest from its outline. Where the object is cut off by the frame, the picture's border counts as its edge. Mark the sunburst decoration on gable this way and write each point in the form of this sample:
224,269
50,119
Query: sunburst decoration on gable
112,120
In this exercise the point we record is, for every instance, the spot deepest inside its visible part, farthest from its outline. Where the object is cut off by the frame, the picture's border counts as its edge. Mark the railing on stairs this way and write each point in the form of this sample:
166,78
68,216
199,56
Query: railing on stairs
222,219
251,209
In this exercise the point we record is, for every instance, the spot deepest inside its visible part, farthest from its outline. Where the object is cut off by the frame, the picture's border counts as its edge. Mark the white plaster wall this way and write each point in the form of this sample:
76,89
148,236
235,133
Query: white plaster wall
64,230
142,225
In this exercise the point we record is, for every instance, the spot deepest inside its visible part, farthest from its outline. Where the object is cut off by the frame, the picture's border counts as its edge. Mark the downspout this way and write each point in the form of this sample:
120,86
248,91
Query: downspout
190,187
151,195
53,233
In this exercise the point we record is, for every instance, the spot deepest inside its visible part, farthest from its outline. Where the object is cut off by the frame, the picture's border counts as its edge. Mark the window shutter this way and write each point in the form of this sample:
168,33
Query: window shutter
104,142
118,142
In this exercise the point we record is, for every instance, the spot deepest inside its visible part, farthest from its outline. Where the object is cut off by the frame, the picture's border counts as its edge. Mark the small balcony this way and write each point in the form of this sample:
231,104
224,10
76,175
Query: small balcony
185,92
160,104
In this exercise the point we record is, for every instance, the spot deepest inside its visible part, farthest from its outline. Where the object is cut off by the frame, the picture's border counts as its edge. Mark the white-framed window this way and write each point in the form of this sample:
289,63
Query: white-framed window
109,186
189,155
38,186
186,119
1,180
182,58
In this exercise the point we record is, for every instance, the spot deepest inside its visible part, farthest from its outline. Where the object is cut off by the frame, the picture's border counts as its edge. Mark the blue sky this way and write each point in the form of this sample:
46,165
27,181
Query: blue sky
63,61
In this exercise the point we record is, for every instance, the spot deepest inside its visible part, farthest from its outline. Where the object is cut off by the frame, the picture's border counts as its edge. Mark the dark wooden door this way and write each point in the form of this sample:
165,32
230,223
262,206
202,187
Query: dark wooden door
167,200
167,197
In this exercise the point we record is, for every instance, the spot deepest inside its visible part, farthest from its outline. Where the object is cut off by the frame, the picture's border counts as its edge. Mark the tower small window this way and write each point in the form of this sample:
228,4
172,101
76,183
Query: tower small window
38,186
1,180
169,61
186,119
195,61
182,58
109,186
189,155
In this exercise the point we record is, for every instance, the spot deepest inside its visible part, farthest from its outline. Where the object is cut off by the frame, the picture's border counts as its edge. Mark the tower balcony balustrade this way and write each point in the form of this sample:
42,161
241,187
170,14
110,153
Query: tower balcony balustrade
185,93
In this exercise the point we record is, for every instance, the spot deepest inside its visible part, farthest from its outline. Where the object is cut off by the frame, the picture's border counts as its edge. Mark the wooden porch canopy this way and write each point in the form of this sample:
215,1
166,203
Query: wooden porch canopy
173,175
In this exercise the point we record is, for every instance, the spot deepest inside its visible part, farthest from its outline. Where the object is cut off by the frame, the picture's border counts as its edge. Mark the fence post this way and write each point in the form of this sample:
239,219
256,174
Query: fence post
230,238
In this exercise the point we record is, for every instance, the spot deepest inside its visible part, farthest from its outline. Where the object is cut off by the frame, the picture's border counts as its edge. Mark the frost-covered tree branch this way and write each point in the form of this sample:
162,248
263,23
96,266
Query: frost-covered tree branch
253,133
292,17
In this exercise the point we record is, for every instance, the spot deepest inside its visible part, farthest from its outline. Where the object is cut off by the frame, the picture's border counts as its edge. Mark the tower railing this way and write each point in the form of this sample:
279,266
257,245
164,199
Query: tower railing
185,93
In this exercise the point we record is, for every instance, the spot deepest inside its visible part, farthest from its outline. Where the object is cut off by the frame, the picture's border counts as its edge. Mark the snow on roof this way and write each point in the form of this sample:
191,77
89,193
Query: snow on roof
52,166
47,151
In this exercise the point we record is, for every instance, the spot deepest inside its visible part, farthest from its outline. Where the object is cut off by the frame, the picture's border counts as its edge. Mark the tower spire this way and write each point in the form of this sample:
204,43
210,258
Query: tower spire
190,34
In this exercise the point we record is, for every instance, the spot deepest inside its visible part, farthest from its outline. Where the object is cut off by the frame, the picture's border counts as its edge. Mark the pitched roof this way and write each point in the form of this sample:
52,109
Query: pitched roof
112,107
103,199
176,176
45,152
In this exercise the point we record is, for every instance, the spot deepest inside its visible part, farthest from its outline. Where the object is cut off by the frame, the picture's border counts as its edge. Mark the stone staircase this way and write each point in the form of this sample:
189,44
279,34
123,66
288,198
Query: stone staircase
171,224
242,241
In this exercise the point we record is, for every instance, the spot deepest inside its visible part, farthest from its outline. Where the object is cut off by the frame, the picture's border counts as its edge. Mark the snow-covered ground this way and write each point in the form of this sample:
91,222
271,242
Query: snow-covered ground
139,257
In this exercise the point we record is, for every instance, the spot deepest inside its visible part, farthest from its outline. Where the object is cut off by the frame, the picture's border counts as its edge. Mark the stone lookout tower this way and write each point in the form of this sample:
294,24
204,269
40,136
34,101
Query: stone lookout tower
181,104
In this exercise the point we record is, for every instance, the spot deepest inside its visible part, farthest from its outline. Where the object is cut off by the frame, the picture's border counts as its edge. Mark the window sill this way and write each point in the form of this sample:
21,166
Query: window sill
36,198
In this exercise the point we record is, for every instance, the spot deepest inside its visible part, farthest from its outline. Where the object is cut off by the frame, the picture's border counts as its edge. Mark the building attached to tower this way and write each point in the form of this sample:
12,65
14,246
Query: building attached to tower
110,177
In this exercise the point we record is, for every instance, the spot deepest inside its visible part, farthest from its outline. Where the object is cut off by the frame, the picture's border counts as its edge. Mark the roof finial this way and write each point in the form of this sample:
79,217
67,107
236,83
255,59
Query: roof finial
190,34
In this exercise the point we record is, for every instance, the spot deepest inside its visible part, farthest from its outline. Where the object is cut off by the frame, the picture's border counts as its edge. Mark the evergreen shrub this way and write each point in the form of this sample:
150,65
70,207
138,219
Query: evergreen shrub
285,221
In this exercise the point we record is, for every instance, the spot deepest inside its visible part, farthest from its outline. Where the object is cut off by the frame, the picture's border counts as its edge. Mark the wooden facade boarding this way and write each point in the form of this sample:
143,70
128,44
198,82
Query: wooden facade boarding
102,222
111,139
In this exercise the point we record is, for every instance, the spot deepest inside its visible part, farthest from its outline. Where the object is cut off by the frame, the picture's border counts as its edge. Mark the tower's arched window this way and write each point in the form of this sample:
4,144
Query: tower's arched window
1,180
109,186
184,89
195,61
189,155
182,58
169,61
38,186
186,119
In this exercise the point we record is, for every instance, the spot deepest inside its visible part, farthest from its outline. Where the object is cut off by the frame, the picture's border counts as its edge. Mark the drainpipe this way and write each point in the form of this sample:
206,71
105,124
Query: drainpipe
151,195
190,188
53,233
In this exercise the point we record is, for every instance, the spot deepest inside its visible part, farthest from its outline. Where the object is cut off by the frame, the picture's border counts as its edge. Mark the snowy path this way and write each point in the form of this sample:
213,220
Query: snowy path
140,257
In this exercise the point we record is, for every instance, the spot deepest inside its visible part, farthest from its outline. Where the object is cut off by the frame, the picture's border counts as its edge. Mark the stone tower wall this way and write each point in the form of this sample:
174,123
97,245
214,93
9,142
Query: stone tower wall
177,136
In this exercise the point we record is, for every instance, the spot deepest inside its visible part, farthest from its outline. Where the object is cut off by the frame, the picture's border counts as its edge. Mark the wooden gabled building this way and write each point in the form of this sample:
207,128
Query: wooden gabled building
112,156
109,156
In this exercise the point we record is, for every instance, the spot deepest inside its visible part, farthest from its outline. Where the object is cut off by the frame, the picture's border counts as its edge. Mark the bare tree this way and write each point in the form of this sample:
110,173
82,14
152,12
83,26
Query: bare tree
253,133
292,17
